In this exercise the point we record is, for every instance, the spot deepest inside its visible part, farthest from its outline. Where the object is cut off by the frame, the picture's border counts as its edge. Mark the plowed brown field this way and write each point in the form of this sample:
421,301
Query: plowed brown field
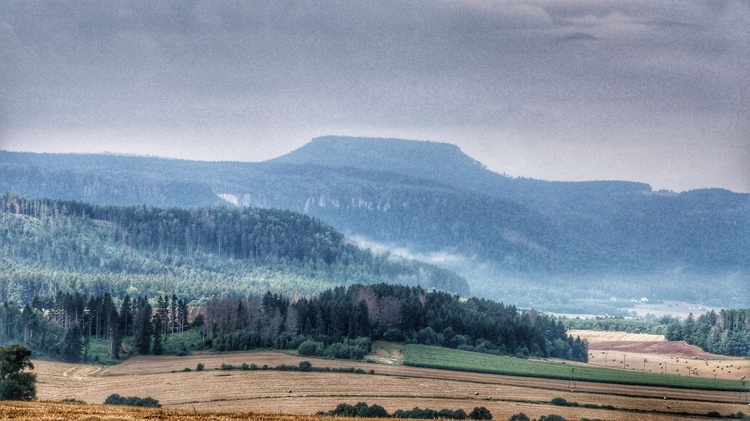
393,386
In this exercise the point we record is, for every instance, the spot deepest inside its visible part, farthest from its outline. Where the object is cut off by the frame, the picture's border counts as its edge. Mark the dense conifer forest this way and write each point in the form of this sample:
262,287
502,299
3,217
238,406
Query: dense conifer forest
47,246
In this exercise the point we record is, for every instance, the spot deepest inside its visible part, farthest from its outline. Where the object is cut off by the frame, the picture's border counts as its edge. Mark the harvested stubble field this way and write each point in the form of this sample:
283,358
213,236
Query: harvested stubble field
28,411
393,386
652,353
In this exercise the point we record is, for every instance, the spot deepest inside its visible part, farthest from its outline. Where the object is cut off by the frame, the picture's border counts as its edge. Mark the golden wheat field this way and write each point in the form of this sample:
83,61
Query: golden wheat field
593,336
28,411
392,385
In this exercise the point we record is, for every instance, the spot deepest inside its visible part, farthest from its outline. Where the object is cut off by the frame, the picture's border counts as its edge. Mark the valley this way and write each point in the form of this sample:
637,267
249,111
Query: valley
565,247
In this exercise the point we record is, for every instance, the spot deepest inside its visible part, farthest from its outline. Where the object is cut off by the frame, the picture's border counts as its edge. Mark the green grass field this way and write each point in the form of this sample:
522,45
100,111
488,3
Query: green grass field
451,359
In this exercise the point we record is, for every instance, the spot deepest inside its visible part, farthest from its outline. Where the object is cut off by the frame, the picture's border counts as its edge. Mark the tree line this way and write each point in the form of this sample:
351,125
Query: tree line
726,332
339,323
62,327
345,319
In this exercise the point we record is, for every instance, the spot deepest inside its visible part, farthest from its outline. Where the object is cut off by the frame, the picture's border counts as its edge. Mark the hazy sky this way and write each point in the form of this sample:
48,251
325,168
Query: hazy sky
653,91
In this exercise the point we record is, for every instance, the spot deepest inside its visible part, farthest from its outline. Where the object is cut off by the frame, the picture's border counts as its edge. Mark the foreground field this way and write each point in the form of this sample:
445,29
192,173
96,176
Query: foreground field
33,411
393,386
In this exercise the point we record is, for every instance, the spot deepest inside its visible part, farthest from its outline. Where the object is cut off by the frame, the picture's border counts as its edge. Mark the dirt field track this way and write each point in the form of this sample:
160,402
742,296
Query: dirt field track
393,386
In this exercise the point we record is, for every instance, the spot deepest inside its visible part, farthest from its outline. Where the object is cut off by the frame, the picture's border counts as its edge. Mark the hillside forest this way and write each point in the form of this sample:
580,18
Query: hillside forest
49,246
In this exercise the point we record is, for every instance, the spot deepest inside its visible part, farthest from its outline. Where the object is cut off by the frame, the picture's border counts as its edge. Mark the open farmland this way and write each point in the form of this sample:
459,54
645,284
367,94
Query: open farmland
653,354
393,386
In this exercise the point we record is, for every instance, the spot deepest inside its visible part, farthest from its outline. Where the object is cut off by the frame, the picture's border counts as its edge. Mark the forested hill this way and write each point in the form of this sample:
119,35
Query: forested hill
535,243
47,246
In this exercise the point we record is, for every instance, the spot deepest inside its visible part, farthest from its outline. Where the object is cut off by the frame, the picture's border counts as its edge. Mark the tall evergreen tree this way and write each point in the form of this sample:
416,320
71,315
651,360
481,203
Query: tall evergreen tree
157,347
72,345
143,327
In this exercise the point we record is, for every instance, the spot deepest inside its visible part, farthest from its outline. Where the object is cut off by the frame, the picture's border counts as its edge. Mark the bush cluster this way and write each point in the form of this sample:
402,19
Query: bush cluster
362,410
303,366
350,349
115,399
552,417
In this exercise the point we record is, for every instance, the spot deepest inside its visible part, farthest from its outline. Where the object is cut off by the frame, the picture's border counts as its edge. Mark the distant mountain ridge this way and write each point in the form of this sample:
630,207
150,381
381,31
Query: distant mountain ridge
435,161
513,238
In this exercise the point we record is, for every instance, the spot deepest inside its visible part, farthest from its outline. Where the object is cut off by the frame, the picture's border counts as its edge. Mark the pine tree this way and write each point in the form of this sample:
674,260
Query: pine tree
158,347
143,327
72,345
126,316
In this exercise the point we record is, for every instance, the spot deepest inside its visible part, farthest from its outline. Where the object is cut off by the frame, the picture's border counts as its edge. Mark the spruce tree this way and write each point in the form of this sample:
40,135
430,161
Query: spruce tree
143,327
72,345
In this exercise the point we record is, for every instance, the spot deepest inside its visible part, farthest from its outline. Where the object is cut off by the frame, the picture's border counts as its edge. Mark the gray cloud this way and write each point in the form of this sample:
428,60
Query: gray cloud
640,90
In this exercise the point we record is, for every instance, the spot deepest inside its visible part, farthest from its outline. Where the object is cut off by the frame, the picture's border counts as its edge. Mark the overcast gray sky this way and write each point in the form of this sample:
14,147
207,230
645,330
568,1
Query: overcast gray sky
652,91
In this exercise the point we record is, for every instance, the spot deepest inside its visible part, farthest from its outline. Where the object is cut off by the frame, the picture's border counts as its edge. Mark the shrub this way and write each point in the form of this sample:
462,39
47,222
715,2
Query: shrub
286,367
374,411
480,413
305,366
563,402
520,417
199,367
310,348
115,399
458,414
552,417
394,335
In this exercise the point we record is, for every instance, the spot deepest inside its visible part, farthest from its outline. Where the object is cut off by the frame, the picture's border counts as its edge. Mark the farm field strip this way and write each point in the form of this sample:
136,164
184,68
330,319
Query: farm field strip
600,336
450,359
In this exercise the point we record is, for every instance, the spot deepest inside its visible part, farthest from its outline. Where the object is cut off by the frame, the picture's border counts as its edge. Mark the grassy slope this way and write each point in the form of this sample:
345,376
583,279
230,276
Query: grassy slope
451,359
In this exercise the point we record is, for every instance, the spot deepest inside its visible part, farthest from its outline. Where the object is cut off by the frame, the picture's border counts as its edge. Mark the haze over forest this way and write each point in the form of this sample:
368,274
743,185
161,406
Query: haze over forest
564,246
